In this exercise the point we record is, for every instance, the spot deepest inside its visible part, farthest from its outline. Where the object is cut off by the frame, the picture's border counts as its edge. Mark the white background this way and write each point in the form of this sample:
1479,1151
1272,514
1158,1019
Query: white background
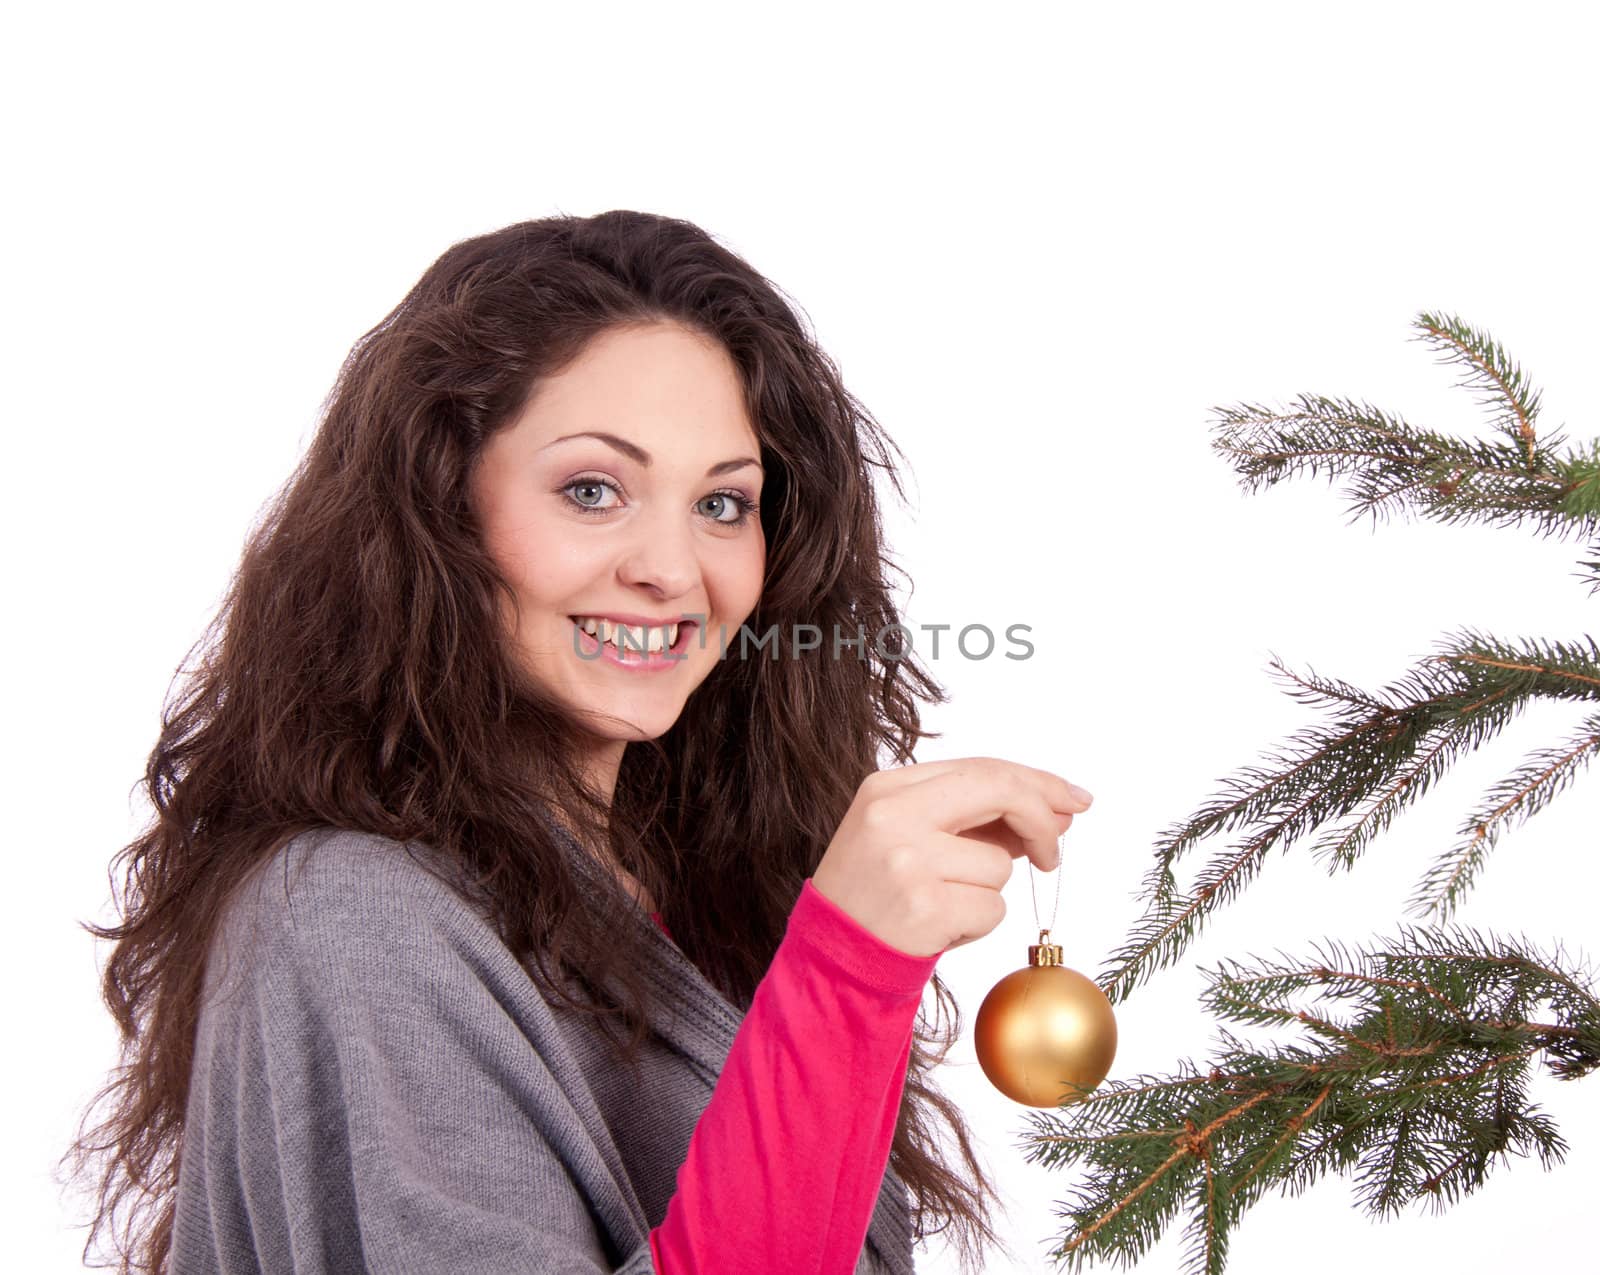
1041,247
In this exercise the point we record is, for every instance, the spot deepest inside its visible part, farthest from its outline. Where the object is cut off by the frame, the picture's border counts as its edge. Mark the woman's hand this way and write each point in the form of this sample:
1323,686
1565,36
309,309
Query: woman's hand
921,855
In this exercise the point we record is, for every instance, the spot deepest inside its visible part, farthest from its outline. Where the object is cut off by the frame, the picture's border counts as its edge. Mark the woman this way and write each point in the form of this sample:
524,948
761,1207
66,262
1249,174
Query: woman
395,893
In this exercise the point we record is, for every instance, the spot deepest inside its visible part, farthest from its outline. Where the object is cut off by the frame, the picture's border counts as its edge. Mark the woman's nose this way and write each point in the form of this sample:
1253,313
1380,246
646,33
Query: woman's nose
662,555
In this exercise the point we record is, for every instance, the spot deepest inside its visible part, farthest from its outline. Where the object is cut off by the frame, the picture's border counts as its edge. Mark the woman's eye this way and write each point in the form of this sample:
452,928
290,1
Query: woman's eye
586,485
741,505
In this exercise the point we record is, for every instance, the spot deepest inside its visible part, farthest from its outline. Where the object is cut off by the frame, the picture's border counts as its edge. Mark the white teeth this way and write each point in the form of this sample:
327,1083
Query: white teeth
629,640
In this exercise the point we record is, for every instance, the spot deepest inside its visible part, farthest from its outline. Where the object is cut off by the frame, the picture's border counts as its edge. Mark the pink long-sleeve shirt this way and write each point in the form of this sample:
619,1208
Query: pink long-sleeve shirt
787,1160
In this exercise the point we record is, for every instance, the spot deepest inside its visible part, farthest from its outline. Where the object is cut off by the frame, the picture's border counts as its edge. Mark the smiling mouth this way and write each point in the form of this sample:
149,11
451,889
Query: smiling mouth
628,654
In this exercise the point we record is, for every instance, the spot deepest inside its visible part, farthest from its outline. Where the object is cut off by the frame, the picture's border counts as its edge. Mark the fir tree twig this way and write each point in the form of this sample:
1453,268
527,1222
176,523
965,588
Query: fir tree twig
1418,1092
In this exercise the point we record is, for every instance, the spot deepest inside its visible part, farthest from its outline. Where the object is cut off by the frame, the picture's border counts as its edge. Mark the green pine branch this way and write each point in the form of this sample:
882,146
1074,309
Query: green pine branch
1501,386
1378,755
1410,1074
1423,1087
1383,751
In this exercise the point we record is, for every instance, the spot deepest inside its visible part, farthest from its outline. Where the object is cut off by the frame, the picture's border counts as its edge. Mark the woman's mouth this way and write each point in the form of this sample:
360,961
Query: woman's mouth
588,646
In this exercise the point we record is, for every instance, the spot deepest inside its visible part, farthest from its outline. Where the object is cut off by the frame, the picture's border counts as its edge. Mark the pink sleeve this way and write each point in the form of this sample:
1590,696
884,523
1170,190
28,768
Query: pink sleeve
786,1162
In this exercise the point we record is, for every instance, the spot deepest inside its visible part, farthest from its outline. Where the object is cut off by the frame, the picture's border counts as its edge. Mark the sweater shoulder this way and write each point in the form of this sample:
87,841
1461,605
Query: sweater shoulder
356,892
340,870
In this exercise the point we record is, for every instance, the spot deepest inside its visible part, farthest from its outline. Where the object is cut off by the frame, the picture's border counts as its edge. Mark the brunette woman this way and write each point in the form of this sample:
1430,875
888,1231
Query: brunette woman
512,731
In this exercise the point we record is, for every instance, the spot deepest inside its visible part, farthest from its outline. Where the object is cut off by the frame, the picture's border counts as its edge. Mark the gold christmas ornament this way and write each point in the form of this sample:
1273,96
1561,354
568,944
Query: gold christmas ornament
1045,1034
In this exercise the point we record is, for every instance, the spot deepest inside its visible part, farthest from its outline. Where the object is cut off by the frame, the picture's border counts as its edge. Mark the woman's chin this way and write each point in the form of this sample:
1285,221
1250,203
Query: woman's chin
626,728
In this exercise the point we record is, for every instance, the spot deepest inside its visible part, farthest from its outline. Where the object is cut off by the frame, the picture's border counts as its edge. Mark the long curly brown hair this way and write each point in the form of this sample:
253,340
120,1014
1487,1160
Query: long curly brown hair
357,676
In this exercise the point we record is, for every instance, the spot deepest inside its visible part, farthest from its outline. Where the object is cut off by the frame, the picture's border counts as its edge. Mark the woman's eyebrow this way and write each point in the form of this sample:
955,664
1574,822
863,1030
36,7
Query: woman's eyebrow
639,456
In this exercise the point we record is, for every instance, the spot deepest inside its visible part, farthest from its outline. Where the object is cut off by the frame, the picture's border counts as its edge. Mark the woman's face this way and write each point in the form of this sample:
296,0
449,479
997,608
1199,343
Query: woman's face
645,524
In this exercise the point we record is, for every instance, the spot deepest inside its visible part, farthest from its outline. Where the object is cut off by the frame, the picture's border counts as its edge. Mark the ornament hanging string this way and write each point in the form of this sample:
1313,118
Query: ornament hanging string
1060,858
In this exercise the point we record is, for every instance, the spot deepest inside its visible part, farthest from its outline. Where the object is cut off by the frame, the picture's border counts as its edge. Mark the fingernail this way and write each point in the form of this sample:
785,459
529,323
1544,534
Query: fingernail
1082,794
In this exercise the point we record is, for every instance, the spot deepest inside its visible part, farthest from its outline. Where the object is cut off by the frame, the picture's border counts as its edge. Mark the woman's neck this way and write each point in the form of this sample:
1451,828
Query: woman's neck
629,883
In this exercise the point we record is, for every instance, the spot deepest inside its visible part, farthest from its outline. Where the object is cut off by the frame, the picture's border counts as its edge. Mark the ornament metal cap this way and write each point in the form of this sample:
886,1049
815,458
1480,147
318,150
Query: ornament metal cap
1044,953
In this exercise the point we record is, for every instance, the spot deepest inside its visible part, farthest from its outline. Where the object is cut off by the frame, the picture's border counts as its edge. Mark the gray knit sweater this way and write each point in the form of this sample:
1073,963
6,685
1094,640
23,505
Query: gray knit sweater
378,1086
